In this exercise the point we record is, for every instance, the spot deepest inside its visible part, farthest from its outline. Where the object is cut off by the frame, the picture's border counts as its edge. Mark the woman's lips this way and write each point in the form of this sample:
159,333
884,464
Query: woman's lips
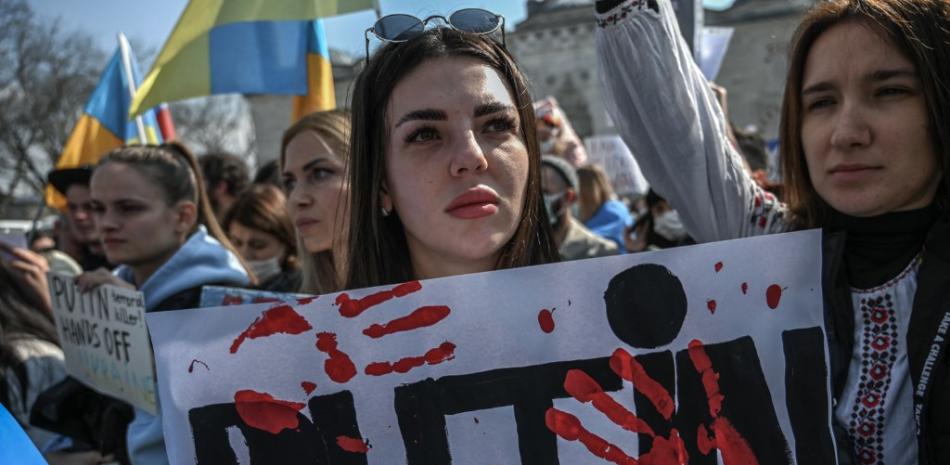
112,242
477,202
853,172
305,222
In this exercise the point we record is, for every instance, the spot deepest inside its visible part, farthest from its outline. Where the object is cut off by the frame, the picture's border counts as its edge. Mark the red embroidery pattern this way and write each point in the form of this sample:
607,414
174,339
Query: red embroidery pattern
765,207
878,354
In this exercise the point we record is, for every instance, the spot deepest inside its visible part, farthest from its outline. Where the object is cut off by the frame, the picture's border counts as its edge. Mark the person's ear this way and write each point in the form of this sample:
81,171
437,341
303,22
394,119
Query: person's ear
385,200
570,195
186,215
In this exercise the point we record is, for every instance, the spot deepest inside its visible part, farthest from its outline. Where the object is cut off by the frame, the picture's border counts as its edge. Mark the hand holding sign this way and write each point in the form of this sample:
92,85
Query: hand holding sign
93,279
29,269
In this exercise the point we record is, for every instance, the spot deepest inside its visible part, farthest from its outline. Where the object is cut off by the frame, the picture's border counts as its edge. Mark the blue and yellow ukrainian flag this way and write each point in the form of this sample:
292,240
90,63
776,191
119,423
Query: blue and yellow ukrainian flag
104,124
248,47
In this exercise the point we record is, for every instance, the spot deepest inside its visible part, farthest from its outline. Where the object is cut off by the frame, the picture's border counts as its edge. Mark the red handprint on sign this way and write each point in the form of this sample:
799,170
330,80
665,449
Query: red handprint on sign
670,450
258,409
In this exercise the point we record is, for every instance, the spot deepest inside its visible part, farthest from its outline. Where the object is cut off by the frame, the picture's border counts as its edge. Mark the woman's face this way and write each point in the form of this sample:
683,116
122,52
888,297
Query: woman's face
254,244
137,227
865,130
314,180
456,165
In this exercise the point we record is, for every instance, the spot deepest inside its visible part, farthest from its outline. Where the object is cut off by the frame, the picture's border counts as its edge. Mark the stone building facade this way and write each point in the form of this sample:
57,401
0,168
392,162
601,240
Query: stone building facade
555,47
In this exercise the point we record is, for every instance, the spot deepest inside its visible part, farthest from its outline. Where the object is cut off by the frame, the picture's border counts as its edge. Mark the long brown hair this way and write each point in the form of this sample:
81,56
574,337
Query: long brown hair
175,170
595,190
377,249
322,272
264,207
920,30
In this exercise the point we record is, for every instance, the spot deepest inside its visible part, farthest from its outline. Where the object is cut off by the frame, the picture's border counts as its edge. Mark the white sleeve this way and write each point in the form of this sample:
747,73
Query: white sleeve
667,114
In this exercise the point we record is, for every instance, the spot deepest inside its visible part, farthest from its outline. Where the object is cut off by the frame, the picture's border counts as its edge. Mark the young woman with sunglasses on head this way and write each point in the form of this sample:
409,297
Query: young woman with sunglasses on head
445,151
153,216
865,148
313,158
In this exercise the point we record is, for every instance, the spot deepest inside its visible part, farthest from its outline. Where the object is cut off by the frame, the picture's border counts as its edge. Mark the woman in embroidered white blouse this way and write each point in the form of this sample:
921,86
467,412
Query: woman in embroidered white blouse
865,142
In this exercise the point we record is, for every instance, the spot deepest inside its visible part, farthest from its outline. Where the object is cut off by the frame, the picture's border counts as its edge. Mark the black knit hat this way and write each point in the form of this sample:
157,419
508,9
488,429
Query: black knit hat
61,179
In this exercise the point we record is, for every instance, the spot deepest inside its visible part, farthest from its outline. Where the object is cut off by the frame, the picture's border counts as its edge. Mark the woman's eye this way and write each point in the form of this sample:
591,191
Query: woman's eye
889,91
423,134
321,173
500,125
821,103
288,185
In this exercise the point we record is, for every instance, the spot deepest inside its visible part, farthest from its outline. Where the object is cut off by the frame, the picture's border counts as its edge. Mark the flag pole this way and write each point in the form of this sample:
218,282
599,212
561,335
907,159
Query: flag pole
130,78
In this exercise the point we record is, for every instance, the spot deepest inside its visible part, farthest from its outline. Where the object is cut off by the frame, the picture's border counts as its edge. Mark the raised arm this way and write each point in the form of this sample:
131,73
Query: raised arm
668,115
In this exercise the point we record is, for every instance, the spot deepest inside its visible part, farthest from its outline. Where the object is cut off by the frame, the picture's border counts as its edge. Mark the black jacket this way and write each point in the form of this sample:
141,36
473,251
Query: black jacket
927,339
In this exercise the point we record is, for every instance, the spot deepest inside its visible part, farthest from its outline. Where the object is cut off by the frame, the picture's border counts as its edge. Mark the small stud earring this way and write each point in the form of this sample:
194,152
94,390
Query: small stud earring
385,212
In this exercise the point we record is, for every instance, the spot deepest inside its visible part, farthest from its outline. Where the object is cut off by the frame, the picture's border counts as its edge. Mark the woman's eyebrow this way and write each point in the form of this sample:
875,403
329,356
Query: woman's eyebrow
493,107
428,114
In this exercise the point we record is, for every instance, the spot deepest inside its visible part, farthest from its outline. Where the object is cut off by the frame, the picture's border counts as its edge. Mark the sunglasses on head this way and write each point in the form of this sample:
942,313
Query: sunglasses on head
402,27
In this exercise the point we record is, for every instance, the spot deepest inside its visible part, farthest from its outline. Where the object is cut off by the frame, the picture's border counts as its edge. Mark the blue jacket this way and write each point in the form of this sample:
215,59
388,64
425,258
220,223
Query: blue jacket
610,221
200,261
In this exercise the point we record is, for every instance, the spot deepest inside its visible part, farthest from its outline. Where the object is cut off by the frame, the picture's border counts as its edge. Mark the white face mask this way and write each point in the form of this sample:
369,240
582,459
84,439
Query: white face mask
669,226
265,269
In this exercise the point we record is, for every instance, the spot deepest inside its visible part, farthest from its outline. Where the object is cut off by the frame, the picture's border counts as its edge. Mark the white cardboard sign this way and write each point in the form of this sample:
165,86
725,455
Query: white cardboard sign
613,155
105,340
694,354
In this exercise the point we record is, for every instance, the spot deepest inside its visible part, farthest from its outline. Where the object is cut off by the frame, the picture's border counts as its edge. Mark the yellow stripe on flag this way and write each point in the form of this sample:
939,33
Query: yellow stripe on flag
88,142
320,83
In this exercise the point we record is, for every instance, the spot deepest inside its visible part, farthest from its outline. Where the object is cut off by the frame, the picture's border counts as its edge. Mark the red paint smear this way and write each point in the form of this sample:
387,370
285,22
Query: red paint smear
191,367
354,445
628,368
745,288
546,321
445,351
339,367
711,305
585,389
262,411
697,354
306,300
718,267
665,451
569,428
308,387
735,449
420,318
351,308
282,319
772,296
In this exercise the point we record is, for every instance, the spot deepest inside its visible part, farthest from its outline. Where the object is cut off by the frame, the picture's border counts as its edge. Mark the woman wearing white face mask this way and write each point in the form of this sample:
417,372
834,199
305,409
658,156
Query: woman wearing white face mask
260,229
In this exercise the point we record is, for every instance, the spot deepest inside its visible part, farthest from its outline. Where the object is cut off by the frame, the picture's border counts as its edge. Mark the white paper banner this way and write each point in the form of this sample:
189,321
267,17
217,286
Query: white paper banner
105,340
618,163
697,353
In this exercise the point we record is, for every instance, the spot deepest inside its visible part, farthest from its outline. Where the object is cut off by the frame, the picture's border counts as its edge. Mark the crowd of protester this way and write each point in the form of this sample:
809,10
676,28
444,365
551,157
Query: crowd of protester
445,166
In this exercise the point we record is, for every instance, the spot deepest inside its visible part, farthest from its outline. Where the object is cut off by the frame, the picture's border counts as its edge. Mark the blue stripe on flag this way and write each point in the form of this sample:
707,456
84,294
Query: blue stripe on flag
318,40
265,57
110,100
